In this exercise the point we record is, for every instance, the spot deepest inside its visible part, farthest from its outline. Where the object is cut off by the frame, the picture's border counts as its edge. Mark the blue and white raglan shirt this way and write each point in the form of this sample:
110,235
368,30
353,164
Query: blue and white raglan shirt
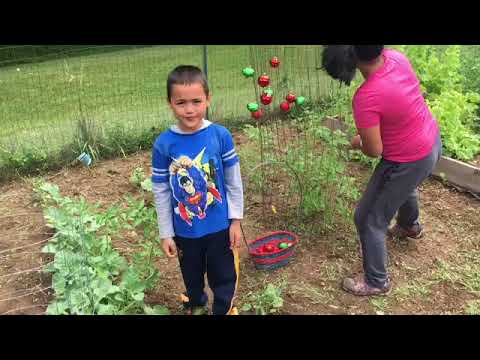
196,181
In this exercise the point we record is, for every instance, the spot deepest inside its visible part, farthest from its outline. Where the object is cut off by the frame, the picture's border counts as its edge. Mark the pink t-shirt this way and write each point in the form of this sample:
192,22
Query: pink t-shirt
391,98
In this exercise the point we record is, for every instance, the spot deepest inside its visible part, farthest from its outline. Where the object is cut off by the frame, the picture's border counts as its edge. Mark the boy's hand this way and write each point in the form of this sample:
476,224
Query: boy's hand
235,234
169,247
356,142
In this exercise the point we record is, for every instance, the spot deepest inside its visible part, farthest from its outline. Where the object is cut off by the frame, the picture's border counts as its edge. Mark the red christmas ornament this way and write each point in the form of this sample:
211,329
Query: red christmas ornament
285,106
275,62
257,114
266,99
291,98
263,80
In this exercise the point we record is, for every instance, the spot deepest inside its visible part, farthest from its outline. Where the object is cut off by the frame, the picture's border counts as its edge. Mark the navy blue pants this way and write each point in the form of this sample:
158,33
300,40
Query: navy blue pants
210,254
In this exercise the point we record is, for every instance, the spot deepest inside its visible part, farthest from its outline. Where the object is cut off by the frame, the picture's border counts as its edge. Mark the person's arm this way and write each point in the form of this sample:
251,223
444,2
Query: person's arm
367,112
233,188
369,141
162,194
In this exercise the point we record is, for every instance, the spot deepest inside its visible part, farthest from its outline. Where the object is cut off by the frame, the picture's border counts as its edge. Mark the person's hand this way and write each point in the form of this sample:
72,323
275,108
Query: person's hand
235,234
185,162
356,142
169,247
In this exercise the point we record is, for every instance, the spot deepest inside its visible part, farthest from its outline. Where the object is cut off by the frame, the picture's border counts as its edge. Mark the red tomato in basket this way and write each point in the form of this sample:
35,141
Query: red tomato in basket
268,248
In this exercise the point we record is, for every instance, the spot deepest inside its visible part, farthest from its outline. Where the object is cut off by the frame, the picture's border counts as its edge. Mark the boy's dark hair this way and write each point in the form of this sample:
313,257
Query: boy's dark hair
186,75
366,53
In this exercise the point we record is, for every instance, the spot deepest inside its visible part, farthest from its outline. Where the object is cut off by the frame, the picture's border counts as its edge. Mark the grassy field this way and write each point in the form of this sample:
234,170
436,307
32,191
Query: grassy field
43,102
130,84
119,86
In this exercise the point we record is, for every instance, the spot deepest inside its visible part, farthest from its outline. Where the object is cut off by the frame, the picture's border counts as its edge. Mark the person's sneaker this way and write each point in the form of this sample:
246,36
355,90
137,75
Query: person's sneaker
415,232
359,287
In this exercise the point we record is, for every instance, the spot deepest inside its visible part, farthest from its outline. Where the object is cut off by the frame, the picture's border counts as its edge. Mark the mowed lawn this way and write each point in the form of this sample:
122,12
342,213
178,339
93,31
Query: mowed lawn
42,102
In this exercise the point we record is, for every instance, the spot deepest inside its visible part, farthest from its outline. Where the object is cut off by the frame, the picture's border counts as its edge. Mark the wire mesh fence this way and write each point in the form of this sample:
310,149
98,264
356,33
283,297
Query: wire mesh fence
49,95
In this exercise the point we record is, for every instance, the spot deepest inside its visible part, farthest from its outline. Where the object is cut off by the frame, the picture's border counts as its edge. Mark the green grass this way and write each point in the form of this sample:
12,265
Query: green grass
314,294
414,289
43,102
129,84
26,54
472,307
119,86
379,304
462,272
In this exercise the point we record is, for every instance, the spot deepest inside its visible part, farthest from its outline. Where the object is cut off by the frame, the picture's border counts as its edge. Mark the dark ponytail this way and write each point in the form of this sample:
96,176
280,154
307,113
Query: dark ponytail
339,62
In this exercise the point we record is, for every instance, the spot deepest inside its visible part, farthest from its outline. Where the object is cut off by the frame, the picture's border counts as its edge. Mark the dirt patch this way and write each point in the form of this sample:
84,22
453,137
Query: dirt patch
22,235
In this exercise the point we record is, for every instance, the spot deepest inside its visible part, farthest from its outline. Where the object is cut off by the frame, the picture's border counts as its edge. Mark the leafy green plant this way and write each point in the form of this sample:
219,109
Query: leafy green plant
89,137
28,160
456,113
267,302
437,70
443,76
138,175
88,275
139,179
324,179
316,168
252,132
251,154
147,185
470,70
360,157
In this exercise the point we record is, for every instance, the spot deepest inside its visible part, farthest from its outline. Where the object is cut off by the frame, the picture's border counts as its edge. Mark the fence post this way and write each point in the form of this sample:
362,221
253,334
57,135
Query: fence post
205,67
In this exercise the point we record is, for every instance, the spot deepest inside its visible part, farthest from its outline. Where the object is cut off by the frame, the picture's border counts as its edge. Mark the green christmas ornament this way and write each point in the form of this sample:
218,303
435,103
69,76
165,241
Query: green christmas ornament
283,245
300,100
252,107
248,72
268,91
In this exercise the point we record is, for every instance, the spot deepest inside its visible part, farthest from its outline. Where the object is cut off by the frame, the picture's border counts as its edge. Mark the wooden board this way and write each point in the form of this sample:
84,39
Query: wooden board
459,173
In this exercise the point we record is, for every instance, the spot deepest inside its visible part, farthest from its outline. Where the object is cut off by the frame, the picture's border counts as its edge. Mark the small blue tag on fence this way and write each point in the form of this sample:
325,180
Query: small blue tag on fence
85,159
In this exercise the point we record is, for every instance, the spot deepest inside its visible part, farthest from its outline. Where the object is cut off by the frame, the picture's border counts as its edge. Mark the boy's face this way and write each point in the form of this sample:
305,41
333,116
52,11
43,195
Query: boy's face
189,104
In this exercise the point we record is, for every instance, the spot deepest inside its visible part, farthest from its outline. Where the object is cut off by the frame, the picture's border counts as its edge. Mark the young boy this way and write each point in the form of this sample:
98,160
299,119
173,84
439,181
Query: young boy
198,194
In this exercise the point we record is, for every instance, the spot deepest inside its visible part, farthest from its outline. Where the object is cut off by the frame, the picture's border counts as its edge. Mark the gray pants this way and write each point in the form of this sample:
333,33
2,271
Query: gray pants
392,188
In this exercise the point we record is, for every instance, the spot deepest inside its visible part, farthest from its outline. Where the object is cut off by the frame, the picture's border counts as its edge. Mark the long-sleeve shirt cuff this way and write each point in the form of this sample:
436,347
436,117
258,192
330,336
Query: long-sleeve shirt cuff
234,190
162,195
